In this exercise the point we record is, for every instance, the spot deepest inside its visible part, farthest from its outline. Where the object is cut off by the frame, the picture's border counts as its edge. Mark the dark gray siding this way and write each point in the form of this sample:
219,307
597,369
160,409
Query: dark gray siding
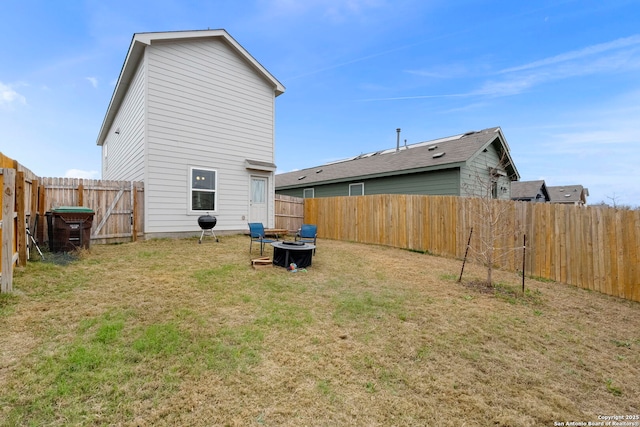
441,183
476,178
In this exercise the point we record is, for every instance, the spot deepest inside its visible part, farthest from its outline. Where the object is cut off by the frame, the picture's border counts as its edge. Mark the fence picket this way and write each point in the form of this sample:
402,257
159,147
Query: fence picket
589,247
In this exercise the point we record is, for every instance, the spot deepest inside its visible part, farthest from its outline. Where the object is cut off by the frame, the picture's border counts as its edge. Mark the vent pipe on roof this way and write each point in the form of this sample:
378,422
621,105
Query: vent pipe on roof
398,141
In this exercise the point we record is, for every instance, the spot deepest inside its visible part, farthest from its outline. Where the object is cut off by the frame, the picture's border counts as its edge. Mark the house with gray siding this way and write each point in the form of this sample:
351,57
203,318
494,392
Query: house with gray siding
192,116
529,191
475,163
568,194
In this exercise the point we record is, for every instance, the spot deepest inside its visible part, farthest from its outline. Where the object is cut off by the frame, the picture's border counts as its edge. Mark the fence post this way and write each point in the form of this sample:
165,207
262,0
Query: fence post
134,212
41,229
21,229
8,206
81,193
33,209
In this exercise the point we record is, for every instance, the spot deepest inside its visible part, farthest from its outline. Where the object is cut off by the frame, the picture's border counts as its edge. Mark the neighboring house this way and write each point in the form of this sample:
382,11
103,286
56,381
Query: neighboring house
470,164
192,116
568,194
529,191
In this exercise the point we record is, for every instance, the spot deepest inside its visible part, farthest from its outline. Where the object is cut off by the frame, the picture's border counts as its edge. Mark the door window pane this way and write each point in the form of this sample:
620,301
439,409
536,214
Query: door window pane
258,192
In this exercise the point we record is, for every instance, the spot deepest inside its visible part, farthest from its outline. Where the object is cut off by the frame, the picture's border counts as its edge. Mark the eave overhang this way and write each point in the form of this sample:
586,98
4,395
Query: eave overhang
302,184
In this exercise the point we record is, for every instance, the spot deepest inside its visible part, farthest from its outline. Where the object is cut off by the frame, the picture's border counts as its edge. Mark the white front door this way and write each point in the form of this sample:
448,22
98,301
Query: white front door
258,201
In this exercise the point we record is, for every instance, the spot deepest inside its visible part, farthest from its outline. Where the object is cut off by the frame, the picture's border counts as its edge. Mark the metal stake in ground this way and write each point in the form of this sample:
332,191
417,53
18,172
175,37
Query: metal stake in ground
524,251
34,242
465,254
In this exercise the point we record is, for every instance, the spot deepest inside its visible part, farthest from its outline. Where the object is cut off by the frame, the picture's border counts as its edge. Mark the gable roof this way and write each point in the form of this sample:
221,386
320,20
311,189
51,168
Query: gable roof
138,44
568,194
443,153
528,189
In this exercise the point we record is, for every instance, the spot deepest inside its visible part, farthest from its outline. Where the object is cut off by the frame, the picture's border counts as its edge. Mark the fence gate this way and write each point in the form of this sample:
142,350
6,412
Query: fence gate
289,212
117,205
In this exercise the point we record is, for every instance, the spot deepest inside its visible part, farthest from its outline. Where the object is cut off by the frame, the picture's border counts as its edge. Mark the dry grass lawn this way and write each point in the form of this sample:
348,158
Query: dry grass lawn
169,332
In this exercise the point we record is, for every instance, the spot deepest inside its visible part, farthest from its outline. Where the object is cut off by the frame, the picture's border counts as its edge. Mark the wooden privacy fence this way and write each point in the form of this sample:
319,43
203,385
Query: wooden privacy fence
289,212
26,198
590,247
117,205
17,200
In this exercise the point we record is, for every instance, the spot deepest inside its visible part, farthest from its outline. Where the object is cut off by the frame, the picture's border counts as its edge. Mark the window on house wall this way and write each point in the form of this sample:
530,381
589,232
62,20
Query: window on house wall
308,193
203,189
496,175
356,189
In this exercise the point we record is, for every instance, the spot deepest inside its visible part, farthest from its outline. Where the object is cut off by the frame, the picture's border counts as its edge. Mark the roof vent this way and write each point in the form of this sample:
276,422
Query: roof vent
319,170
469,133
438,155
302,177
433,147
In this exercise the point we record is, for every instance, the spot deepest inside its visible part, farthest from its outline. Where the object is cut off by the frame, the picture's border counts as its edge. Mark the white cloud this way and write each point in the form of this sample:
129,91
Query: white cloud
597,137
93,81
8,95
507,87
595,146
442,72
622,55
403,98
579,54
612,122
77,173
337,11
475,106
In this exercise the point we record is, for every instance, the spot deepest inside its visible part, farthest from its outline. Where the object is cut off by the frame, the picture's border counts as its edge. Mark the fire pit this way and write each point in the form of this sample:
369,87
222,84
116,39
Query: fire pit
206,223
299,253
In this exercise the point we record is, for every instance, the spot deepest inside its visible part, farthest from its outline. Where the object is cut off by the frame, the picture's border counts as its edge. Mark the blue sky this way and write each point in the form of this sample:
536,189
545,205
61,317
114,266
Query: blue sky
562,78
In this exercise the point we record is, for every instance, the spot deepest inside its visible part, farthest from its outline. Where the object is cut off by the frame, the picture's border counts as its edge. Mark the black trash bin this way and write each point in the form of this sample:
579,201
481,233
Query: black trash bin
69,228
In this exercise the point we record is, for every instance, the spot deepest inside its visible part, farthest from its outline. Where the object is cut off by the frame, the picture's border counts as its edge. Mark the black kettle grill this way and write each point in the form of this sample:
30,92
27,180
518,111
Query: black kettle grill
206,223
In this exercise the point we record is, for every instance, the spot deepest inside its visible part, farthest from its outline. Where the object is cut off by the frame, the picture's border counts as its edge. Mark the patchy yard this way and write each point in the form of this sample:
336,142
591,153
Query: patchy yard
169,332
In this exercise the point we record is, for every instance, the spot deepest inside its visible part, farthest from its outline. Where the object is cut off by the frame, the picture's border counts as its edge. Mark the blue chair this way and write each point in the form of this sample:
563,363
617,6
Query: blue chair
256,232
307,234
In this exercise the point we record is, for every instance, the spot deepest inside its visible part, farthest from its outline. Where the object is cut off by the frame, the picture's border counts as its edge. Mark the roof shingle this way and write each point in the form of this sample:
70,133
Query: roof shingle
526,189
425,155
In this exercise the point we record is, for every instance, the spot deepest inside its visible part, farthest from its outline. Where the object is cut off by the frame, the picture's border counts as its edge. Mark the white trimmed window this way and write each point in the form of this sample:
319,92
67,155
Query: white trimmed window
203,186
308,193
356,189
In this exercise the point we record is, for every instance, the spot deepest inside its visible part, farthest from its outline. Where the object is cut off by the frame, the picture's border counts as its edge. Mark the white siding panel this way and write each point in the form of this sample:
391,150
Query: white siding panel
201,59
126,150
207,108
